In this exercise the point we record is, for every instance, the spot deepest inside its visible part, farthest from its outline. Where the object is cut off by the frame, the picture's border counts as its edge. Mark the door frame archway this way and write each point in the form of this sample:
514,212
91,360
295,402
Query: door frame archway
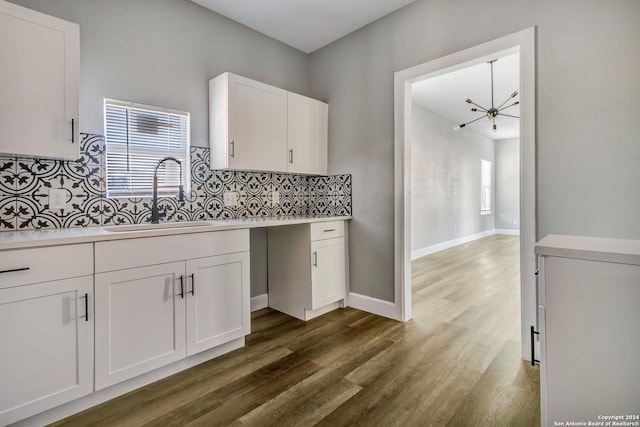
524,43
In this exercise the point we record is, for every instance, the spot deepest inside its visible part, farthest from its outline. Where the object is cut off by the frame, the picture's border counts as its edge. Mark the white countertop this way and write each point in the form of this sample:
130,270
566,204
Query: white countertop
623,251
65,236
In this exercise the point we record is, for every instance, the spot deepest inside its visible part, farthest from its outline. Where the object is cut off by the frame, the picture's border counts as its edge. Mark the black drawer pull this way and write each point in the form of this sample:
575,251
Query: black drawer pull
330,230
13,270
193,283
73,131
86,307
181,287
315,259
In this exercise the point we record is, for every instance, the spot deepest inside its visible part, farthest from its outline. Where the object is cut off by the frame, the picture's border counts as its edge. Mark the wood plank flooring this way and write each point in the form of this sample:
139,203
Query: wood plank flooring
457,363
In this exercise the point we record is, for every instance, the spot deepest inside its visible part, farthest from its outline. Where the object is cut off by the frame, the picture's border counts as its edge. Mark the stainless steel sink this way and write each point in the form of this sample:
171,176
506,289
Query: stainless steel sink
161,226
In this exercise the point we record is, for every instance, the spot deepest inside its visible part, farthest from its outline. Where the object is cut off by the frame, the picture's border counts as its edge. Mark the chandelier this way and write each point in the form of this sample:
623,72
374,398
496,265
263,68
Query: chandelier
493,112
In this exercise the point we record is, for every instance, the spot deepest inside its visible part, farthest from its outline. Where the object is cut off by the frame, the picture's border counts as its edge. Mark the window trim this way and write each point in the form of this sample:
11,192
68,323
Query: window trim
484,210
183,153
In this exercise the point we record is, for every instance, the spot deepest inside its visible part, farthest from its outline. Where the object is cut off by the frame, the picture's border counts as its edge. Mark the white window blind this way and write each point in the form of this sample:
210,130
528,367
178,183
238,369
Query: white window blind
485,187
137,137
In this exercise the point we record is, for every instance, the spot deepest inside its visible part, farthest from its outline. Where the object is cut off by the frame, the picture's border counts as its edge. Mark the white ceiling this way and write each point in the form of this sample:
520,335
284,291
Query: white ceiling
306,25
444,96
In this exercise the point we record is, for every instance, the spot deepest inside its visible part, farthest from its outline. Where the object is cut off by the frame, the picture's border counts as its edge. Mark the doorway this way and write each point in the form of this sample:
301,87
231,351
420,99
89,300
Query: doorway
522,42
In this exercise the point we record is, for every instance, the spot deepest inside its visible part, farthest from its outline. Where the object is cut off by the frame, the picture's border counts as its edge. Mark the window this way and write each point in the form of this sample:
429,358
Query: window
137,137
485,187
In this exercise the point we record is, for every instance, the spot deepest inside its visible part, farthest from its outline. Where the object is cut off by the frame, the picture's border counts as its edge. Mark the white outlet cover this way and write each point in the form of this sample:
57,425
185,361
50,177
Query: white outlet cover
275,197
57,198
230,198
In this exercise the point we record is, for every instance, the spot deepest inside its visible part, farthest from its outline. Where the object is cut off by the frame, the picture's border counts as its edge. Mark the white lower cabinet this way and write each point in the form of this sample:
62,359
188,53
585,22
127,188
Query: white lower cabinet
140,321
150,316
46,328
218,303
307,268
46,331
327,272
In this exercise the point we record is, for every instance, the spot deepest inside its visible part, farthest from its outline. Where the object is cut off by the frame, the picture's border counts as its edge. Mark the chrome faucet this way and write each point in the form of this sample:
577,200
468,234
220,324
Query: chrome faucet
155,214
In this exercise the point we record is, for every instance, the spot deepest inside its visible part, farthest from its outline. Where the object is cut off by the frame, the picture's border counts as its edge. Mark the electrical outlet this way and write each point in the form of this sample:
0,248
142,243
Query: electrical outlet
515,222
275,197
230,198
57,199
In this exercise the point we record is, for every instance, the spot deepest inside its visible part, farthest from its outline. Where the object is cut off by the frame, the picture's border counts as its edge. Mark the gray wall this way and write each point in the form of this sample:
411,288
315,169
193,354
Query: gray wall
588,98
507,178
445,180
163,53
259,261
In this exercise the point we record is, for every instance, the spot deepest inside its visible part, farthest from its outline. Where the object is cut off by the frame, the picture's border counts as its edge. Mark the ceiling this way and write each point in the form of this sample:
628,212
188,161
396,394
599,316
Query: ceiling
444,95
306,25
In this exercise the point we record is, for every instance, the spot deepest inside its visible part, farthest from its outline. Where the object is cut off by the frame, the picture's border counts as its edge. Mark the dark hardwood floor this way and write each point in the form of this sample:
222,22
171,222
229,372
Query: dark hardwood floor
457,363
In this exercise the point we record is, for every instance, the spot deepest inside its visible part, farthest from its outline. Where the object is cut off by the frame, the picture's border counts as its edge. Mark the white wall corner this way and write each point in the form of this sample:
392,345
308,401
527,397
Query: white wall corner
372,305
259,302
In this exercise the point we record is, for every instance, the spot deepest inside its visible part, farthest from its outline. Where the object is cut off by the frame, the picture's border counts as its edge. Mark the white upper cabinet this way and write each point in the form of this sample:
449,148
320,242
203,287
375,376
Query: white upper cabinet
248,124
39,84
255,126
306,135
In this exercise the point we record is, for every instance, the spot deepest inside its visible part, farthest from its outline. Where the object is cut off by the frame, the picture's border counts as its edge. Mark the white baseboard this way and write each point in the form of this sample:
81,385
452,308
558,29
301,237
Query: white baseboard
259,302
507,231
372,305
450,244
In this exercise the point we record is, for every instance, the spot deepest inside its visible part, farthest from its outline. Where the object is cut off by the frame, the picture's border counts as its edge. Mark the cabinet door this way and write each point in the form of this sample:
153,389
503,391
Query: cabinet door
46,331
257,125
140,321
306,135
39,84
218,300
327,272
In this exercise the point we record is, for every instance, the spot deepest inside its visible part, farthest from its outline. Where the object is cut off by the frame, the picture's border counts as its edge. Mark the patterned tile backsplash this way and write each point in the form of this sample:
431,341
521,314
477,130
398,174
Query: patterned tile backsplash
25,184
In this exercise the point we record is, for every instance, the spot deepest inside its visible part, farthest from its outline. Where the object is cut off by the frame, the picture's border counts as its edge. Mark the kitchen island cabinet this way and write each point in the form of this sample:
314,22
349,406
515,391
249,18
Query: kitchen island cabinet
589,291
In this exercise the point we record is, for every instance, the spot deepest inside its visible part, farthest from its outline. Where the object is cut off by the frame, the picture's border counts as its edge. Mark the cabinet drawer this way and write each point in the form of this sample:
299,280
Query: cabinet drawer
130,253
327,230
27,266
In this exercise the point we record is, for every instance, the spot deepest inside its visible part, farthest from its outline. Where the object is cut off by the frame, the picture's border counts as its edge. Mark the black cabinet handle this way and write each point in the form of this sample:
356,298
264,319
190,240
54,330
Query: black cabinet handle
193,283
86,307
181,287
291,156
315,259
330,230
233,148
533,349
73,131
13,270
